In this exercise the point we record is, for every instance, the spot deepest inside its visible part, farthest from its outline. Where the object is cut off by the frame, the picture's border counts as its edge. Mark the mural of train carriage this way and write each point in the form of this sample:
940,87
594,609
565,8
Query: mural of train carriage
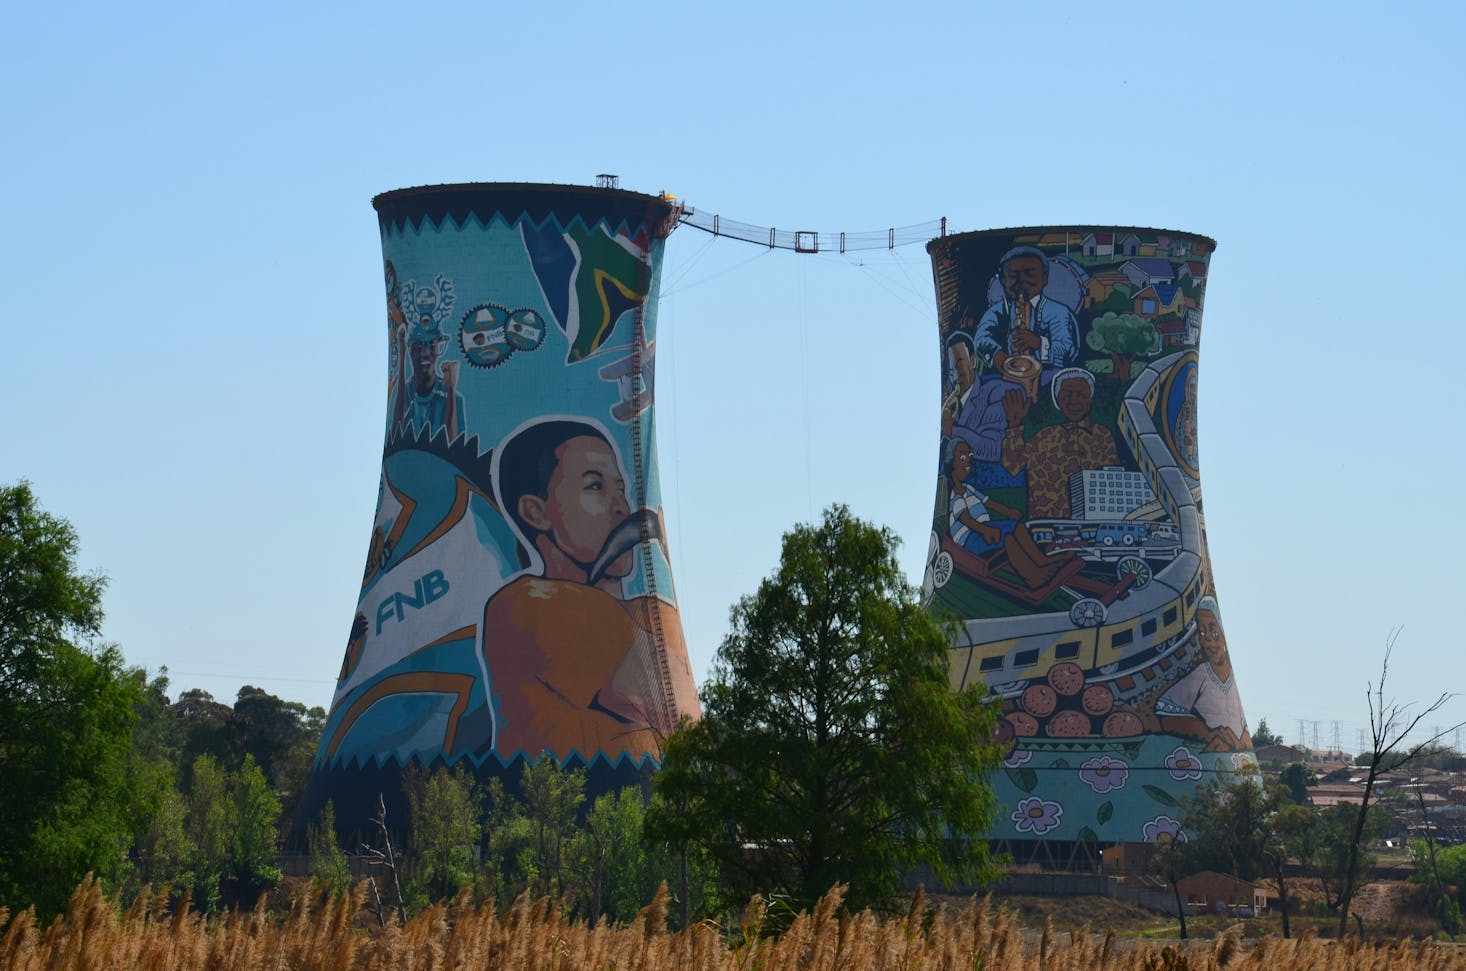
517,595
1067,540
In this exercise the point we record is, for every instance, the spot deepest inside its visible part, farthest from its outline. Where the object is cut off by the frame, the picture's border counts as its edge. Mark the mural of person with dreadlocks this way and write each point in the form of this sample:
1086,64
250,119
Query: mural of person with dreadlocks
573,663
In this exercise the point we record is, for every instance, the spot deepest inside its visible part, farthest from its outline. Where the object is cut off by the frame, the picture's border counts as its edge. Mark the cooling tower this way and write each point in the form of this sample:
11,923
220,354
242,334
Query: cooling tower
1067,534
517,597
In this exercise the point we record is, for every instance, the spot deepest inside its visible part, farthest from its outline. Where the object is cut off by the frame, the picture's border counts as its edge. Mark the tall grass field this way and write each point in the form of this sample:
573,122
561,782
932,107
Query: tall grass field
332,935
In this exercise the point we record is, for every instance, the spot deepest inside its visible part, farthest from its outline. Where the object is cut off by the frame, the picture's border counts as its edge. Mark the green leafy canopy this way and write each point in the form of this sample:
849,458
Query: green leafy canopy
832,748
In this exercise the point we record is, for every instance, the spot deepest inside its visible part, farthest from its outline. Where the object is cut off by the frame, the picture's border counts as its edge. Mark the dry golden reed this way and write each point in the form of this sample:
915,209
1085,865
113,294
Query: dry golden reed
534,935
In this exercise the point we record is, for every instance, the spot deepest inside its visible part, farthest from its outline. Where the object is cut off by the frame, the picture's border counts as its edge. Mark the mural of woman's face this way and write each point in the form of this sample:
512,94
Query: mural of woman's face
1213,641
586,500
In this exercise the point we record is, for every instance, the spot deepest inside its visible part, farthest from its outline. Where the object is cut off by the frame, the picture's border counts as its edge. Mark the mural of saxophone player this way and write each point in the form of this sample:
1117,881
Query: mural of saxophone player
1025,322
571,662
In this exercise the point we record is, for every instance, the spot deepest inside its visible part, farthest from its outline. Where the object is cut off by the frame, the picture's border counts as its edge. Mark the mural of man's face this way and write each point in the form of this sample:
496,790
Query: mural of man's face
586,499
424,355
1024,277
1074,399
962,369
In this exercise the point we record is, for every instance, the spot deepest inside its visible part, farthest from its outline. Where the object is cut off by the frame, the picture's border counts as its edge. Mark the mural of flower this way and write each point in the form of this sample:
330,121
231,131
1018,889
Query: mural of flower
1016,758
1104,773
1183,765
1244,761
1163,828
1036,816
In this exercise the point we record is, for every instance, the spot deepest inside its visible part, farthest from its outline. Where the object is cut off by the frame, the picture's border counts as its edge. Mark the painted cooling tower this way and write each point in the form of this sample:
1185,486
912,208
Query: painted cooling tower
517,597
1067,534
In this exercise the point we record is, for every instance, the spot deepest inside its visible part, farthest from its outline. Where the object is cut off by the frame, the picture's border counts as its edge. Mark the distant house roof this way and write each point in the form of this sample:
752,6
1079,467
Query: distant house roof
1334,793
1284,753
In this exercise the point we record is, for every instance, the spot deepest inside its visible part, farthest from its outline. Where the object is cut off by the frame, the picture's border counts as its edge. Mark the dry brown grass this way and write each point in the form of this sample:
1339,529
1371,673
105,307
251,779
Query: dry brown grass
534,936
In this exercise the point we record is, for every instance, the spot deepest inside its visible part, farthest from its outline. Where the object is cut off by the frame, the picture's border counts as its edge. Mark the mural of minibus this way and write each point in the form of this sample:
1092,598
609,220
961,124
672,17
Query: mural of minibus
1107,541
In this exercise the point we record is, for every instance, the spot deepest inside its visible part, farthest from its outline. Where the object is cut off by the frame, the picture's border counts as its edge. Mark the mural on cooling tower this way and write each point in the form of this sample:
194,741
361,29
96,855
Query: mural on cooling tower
517,595
1067,533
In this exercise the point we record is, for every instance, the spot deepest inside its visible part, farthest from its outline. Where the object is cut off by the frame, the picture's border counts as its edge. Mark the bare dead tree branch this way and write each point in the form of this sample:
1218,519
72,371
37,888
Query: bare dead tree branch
1390,725
385,857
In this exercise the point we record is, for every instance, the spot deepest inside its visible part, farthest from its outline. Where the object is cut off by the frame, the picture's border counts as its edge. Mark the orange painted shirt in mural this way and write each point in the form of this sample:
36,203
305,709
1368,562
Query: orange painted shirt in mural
573,669
1052,456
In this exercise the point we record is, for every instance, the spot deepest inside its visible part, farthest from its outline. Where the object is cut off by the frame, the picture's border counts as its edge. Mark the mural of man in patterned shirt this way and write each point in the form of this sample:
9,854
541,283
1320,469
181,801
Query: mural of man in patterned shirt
1055,453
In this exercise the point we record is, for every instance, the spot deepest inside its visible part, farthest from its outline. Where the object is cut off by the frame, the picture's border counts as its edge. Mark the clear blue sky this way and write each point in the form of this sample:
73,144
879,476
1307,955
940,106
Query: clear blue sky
195,371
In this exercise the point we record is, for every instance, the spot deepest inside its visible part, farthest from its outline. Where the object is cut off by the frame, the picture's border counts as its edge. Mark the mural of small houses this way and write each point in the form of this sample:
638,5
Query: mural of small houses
1193,270
1160,299
1111,244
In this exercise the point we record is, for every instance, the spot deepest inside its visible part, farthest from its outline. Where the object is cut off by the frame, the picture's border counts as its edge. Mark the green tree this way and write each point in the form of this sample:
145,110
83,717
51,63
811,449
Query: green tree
1245,829
206,825
552,797
1451,862
253,834
612,856
160,847
1124,337
1336,854
621,866
1226,826
66,716
202,726
1265,736
508,836
832,748
330,870
281,735
445,810
1297,777
1292,832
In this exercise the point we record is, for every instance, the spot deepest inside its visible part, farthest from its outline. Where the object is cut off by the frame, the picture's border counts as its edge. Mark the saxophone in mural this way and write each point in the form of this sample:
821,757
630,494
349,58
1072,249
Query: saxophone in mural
517,597
1067,534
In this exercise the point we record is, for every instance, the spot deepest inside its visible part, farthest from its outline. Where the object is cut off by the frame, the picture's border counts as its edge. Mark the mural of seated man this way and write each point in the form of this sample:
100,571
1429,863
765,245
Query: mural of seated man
572,664
973,527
